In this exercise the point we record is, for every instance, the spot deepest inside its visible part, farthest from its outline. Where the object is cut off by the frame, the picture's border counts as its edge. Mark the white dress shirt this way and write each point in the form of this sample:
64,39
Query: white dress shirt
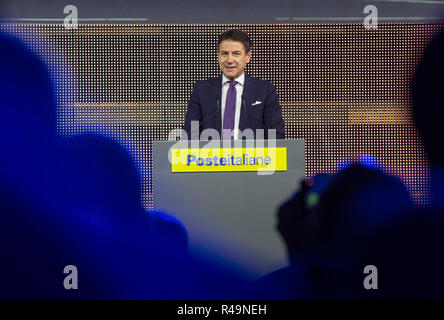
239,89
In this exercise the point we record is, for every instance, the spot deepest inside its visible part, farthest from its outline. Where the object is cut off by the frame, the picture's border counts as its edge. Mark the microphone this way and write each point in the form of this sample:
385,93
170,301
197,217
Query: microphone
248,115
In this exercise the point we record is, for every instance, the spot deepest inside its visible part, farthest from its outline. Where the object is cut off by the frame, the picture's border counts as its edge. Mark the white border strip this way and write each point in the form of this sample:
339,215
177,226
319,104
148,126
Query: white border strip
412,1
79,19
339,19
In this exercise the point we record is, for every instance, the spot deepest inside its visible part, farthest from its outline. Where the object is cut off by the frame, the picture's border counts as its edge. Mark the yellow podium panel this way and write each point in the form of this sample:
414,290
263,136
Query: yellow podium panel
228,159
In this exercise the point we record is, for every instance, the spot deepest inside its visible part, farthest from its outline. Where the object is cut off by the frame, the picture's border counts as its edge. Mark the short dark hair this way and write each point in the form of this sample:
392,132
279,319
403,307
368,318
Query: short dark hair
236,35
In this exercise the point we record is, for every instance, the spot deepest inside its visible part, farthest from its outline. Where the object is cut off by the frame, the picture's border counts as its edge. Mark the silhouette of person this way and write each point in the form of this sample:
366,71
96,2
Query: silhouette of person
75,201
408,249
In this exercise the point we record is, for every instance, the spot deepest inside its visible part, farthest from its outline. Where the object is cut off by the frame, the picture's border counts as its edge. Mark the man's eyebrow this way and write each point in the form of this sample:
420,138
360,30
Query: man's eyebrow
236,51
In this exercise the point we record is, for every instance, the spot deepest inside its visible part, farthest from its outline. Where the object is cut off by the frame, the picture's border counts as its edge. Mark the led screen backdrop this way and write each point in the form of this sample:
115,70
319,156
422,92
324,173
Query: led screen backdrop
343,89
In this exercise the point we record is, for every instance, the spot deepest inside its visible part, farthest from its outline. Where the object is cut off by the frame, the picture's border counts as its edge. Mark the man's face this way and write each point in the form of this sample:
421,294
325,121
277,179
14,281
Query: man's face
233,58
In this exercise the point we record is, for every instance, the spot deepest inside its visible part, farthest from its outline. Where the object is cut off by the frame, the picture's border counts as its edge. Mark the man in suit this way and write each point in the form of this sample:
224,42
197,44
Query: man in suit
235,105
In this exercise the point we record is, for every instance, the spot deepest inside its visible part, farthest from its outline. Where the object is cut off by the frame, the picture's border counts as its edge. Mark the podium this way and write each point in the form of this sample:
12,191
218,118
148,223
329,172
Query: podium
230,213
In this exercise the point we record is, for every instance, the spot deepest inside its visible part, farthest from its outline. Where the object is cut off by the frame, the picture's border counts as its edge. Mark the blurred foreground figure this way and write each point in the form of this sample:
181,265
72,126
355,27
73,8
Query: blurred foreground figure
75,201
364,219
428,103
358,203
411,249
326,227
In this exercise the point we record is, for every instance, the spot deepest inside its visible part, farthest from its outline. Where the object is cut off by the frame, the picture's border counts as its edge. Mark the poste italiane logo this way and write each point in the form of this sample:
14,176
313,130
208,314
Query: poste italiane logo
228,159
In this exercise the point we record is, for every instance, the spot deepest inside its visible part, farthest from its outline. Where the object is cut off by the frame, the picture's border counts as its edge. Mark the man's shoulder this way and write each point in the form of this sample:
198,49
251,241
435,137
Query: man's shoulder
214,81
258,82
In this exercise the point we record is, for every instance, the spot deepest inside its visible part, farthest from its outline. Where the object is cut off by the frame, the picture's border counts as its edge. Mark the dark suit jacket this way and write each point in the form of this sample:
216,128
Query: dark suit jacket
204,106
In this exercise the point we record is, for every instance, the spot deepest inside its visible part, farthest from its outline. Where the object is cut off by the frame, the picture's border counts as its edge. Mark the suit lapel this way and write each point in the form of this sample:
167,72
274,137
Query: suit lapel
216,94
247,91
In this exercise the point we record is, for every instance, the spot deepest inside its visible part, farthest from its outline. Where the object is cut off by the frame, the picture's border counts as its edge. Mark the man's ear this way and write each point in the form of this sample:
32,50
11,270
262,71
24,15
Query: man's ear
248,56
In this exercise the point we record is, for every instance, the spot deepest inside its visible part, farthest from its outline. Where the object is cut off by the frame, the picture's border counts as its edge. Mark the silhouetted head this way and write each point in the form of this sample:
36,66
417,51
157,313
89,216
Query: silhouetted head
27,104
28,119
360,200
428,99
